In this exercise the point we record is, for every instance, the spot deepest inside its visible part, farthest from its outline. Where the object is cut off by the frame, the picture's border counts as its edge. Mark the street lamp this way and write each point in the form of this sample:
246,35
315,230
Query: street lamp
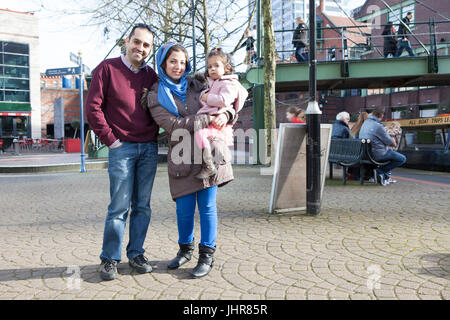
312,124
194,59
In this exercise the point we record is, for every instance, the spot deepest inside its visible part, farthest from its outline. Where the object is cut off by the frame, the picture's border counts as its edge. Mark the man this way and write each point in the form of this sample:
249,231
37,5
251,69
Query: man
374,130
403,41
114,113
300,39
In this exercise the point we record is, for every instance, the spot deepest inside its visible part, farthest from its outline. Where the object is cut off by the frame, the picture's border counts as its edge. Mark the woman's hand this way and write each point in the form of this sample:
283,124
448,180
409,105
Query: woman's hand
220,121
204,97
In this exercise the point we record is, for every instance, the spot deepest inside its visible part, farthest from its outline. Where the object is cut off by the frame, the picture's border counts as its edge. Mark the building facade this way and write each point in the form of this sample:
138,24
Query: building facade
65,91
20,102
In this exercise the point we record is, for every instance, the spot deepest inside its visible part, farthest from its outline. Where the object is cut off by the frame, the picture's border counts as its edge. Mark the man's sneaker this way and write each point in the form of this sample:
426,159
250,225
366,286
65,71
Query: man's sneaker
390,180
108,269
382,181
141,264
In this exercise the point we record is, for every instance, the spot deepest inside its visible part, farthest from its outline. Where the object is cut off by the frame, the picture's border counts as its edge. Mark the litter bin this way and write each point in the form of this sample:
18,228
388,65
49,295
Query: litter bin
16,146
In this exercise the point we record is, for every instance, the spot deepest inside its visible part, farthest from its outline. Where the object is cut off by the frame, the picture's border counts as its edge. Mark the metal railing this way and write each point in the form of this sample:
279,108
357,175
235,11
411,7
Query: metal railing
347,44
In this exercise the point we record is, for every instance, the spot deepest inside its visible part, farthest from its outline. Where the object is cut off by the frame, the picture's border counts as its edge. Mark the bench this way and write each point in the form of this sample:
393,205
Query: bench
352,153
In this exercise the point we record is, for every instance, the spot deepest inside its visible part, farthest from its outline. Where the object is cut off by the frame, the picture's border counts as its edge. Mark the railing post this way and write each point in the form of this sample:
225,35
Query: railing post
344,65
432,56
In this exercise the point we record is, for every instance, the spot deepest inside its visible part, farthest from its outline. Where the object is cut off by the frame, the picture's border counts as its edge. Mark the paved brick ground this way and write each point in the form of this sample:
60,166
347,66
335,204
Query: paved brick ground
369,242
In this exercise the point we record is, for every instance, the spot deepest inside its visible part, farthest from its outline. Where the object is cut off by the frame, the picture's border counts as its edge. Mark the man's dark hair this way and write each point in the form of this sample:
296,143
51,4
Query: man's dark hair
378,112
409,12
141,26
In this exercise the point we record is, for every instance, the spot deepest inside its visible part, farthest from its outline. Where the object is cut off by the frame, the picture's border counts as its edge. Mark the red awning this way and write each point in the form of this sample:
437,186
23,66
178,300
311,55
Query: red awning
16,114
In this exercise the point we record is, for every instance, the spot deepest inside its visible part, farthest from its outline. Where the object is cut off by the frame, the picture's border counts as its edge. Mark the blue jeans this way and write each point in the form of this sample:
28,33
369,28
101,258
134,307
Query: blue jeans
404,45
299,54
131,169
396,160
206,200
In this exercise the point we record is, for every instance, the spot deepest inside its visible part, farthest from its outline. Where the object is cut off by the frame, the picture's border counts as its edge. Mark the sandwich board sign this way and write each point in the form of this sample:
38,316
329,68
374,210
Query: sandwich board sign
289,178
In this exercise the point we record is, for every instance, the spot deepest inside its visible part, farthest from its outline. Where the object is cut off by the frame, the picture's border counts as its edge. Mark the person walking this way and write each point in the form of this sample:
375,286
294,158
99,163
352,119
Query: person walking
390,44
114,114
174,106
374,130
300,39
403,38
249,44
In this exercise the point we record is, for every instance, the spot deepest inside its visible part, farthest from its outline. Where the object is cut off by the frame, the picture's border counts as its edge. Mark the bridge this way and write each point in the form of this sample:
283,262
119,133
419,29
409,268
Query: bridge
354,74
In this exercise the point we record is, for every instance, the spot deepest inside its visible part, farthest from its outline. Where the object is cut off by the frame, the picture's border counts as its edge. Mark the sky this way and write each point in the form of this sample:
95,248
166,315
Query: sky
63,30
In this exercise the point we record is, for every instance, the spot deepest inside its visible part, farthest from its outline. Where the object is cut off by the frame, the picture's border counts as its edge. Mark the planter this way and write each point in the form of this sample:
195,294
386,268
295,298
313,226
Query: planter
72,145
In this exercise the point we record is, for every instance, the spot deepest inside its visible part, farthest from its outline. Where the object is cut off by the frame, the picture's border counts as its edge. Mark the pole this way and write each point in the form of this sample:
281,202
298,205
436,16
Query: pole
312,124
259,33
194,41
82,155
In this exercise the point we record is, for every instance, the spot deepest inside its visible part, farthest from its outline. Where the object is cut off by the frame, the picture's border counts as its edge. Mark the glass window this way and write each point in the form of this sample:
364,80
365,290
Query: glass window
15,47
20,96
21,126
15,60
394,17
2,80
16,72
2,95
426,113
17,84
7,126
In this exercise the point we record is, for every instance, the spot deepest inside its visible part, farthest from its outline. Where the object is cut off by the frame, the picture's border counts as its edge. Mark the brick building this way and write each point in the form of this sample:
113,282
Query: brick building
55,87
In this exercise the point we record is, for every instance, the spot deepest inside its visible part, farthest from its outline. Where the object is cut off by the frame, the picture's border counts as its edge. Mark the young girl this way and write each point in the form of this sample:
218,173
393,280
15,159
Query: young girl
224,94
394,130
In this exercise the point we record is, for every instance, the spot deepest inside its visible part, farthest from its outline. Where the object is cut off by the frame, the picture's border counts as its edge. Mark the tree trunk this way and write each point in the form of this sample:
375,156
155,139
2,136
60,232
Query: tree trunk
269,77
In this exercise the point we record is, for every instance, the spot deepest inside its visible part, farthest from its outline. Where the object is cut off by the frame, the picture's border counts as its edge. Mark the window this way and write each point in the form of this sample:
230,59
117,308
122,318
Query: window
17,84
428,113
400,13
15,47
14,72
396,113
18,96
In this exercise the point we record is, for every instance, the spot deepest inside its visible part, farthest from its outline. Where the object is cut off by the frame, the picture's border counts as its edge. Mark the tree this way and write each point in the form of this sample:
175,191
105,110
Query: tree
269,76
216,21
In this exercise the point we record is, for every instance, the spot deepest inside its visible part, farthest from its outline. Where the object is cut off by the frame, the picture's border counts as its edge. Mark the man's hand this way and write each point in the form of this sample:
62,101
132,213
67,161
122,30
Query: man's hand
204,97
116,145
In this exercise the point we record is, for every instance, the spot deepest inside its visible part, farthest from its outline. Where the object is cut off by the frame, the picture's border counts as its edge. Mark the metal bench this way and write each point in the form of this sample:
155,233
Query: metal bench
353,153
346,153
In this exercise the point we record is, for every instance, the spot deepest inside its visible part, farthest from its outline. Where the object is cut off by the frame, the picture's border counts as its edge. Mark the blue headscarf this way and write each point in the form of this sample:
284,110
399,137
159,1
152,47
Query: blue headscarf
167,88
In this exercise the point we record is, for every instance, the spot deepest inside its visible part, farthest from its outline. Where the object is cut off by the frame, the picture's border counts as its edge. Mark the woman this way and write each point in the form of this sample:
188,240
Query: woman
357,126
340,127
390,44
174,108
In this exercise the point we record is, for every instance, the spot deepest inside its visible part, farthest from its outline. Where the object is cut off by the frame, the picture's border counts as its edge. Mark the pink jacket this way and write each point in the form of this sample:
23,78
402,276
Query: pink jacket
223,94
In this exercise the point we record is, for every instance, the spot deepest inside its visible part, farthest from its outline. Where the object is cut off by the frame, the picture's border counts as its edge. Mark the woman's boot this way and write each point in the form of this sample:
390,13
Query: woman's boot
205,261
183,255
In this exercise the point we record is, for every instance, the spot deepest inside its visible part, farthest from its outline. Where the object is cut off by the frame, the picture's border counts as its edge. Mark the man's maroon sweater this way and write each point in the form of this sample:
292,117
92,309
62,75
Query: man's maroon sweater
113,107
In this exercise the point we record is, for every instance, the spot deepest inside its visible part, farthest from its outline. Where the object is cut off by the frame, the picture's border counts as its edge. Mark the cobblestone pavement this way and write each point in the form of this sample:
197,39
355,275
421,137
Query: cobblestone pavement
369,242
